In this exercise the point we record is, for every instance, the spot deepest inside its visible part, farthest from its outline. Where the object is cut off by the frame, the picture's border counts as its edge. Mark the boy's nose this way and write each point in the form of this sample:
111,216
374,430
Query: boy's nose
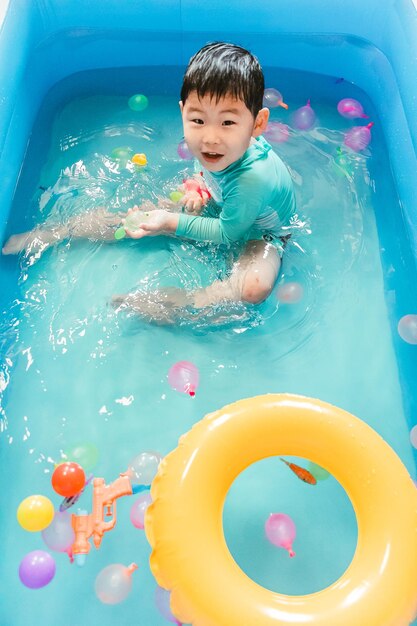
210,136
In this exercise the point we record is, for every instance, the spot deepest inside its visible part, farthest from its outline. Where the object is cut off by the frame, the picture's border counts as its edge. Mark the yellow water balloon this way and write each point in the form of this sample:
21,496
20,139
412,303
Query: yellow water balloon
35,513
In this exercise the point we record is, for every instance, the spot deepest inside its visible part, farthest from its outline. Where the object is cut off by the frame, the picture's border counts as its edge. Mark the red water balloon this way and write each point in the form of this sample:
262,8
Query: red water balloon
68,479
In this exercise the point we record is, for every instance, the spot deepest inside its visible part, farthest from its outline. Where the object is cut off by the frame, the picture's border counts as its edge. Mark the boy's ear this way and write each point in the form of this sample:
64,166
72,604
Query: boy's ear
261,122
181,105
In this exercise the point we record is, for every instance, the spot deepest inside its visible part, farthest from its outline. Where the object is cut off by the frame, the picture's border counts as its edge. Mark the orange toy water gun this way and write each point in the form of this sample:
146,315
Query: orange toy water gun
93,524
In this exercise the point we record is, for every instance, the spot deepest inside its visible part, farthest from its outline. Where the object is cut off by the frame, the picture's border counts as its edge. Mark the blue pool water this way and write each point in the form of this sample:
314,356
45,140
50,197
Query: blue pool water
74,371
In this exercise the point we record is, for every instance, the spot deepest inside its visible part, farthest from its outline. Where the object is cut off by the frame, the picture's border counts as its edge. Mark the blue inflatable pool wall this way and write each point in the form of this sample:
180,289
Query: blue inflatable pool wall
368,43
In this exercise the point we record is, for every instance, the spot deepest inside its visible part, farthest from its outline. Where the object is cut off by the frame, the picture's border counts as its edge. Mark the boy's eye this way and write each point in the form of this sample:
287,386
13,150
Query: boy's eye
228,123
197,121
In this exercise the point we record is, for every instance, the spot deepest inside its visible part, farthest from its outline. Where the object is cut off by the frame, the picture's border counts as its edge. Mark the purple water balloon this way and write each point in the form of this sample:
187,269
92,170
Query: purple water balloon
138,510
184,151
37,569
276,132
162,601
273,98
304,118
358,137
350,108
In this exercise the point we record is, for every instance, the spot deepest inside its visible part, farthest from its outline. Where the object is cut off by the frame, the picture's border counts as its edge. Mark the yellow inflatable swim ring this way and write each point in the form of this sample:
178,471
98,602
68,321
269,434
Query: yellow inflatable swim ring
184,524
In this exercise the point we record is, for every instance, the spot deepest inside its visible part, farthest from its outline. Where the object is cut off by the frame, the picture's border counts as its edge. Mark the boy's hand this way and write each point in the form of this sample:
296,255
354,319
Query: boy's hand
194,202
157,222
195,196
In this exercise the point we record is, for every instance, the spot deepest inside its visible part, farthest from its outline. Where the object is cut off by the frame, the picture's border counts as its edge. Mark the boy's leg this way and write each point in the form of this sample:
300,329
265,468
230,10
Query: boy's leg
251,280
98,224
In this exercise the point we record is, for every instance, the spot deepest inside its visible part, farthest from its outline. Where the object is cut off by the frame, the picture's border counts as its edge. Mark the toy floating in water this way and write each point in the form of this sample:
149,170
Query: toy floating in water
59,535
273,98
132,222
358,137
123,154
342,163
138,102
304,118
114,583
139,159
142,469
35,513
93,525
37,569
407,328
280,531
138,510
276,132
163,604
184,151
350,108
300,472
68,479
71,500
85,454
184,377
290,293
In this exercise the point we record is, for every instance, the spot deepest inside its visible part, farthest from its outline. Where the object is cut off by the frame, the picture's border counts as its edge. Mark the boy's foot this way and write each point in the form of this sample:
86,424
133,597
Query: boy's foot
17,243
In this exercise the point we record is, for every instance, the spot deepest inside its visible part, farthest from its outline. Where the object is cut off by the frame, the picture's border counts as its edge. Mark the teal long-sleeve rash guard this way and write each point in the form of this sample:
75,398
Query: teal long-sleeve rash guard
253,199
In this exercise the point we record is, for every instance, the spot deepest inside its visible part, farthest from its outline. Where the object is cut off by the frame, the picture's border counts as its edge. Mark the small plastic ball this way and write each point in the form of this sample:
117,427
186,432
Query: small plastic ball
35,513
407,328
138,102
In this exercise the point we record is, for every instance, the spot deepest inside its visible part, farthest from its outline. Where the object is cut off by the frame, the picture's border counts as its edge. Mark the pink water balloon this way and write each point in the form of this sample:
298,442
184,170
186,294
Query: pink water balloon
290,293
183,376
280,530
138,510
304,118
114,583
276,132
273,98
162,601
358,137
184,151
59,535
37,569
350,108
407,328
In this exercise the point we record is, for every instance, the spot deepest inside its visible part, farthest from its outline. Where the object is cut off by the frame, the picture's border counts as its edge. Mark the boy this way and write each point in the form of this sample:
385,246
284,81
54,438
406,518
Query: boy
244,187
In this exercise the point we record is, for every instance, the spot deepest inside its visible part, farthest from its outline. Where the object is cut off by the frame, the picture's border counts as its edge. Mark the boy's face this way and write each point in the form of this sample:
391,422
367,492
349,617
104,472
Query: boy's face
218,133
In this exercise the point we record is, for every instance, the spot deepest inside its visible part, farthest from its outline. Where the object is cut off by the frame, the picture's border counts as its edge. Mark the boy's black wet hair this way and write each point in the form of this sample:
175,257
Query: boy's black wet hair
223,69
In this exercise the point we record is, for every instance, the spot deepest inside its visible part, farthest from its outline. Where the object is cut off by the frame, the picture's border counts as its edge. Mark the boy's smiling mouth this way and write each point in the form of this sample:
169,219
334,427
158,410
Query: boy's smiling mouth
212,157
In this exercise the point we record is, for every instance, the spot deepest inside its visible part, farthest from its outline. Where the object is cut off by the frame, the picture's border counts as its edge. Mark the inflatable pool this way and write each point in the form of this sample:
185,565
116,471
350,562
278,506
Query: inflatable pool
67,62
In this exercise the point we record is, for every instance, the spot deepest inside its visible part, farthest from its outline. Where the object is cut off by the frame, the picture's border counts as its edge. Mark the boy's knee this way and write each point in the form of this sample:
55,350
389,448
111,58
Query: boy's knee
255,288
